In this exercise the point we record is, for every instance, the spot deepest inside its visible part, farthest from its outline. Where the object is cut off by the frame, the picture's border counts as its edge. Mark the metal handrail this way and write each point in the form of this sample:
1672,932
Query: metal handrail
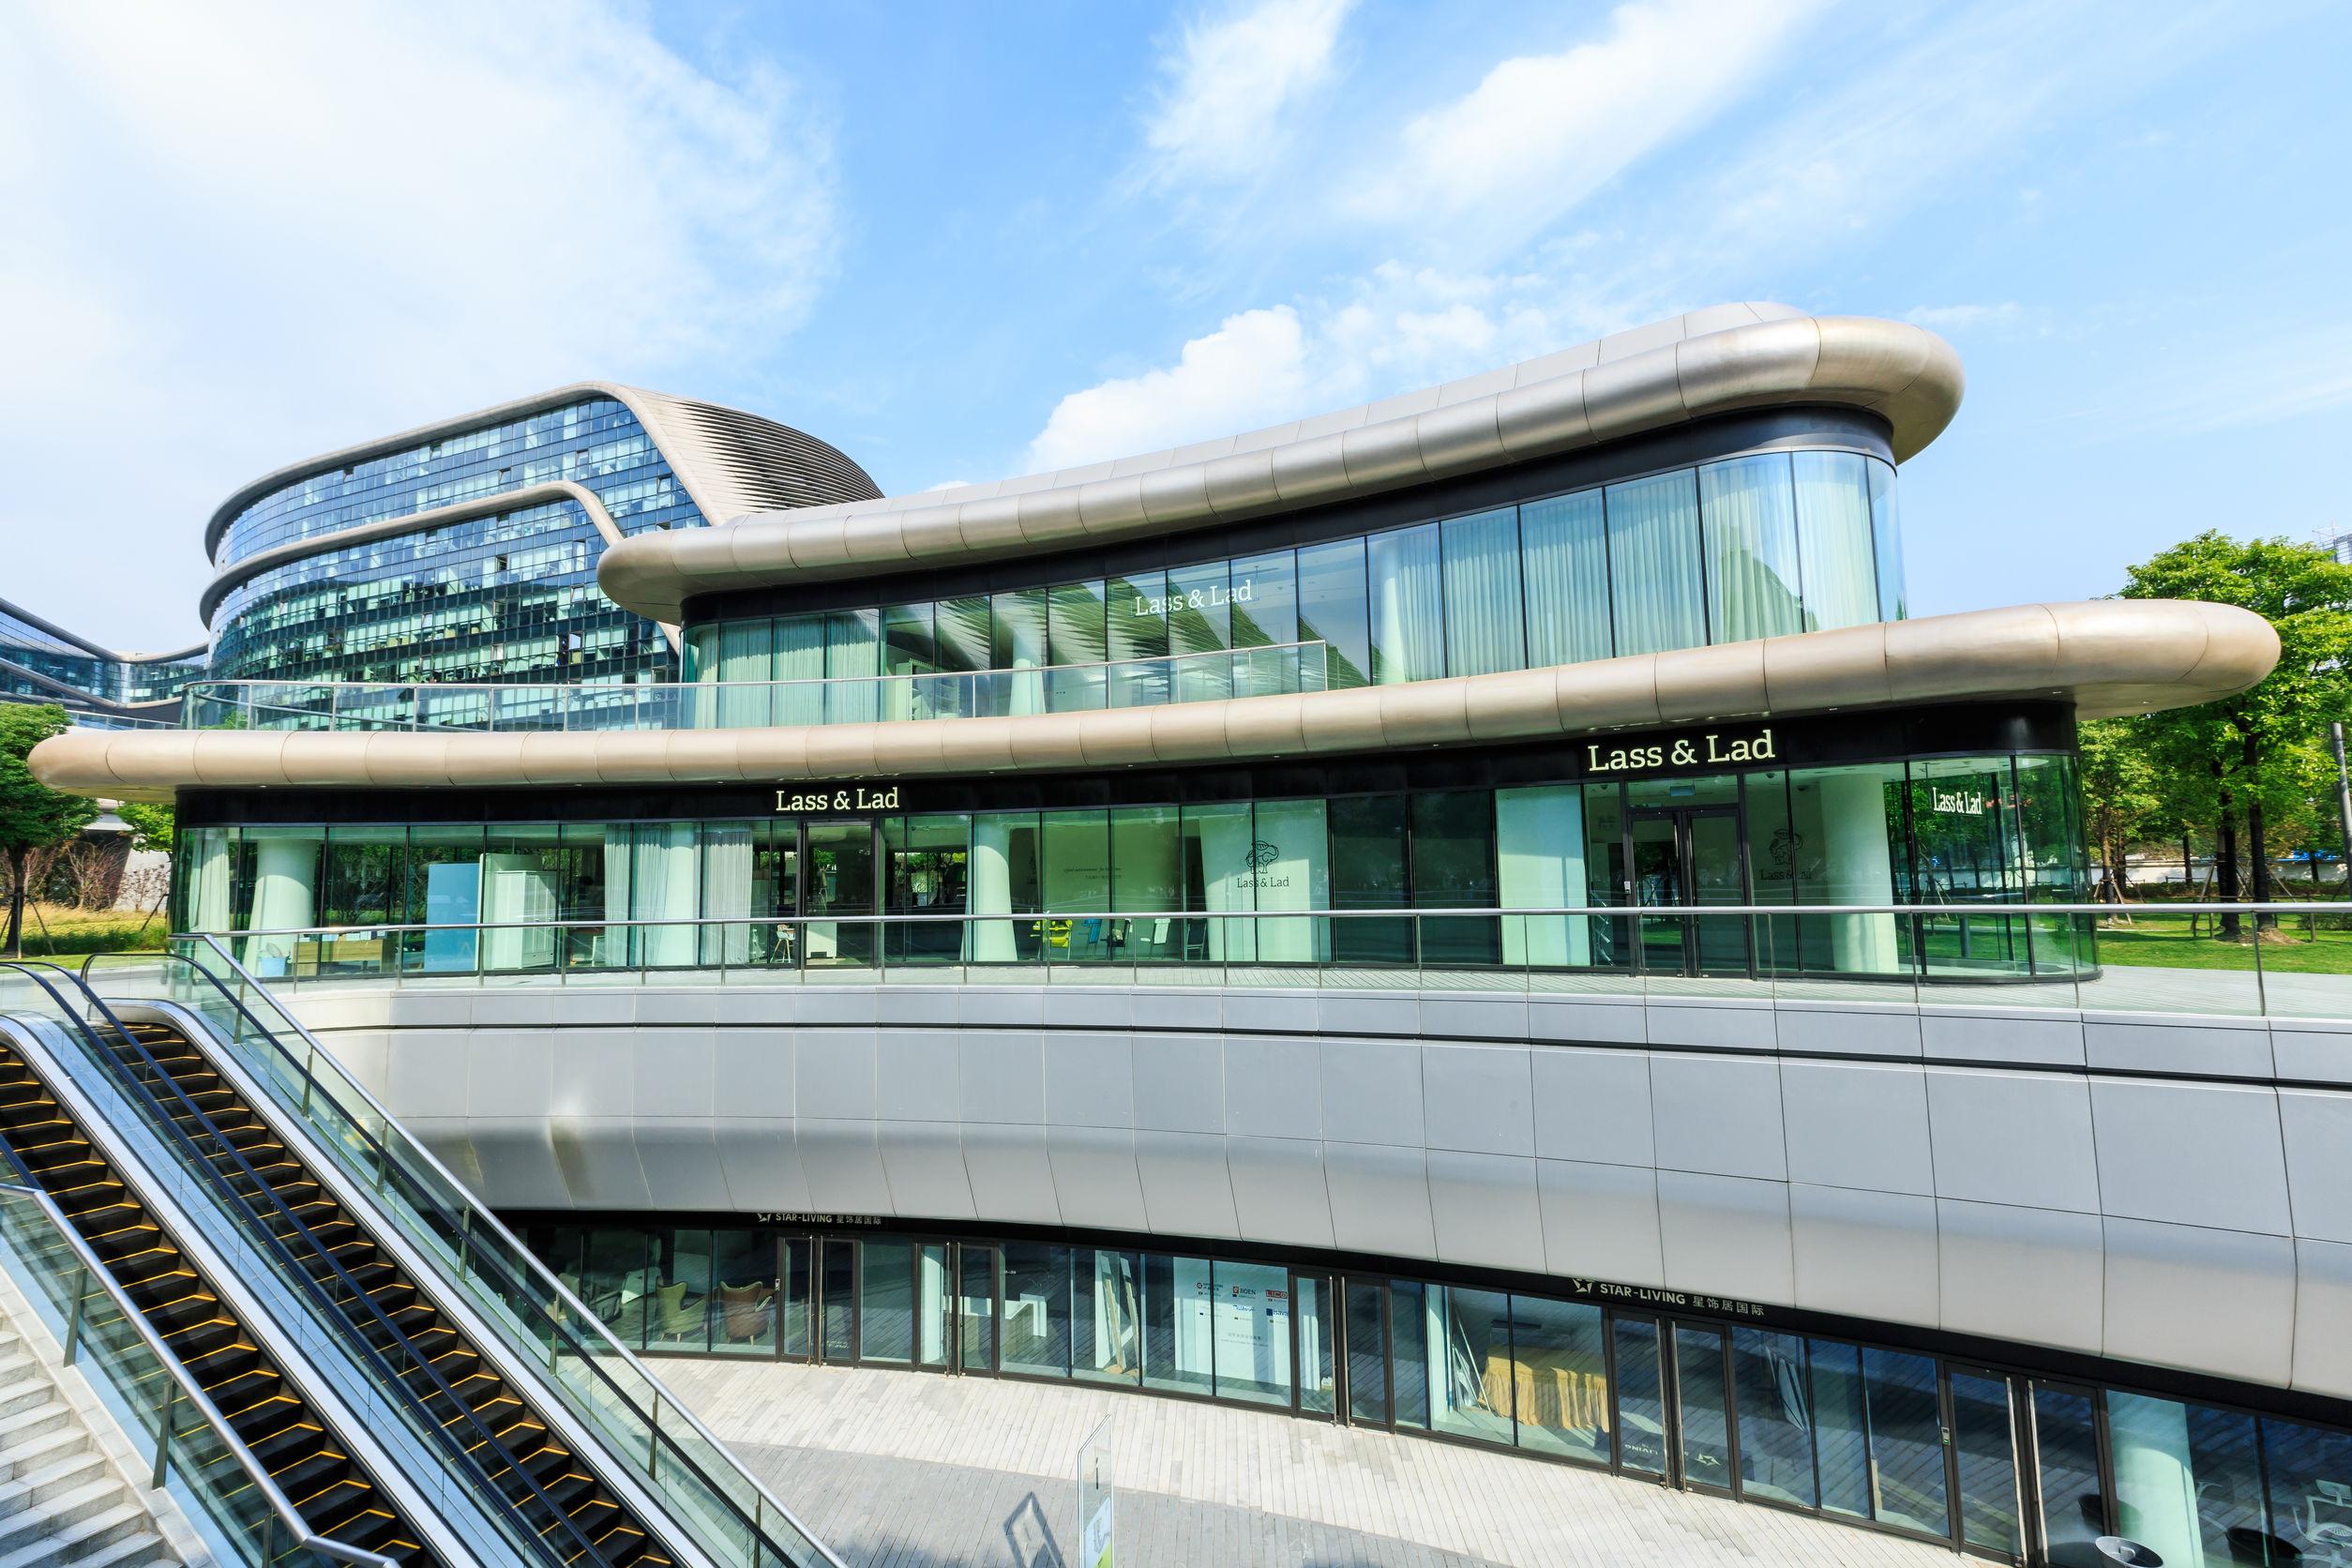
483,1220
2005,906
307,1283
190,1388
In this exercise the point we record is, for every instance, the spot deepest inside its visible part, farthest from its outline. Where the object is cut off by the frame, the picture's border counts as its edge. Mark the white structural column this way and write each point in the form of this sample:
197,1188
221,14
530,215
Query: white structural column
285,893
991,890
1860,872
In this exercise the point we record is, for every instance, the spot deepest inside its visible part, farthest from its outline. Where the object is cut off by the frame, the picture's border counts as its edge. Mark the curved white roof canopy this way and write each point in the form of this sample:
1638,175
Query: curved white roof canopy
1685,367
2109,655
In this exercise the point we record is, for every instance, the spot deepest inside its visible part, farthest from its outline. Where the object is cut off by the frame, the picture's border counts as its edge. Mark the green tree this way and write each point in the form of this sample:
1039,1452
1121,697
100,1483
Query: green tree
33,815
2256,751
152,826
2121,794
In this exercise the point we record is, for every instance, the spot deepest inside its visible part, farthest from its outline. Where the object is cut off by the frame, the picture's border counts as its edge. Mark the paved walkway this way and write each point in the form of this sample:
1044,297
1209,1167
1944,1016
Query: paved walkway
900,1470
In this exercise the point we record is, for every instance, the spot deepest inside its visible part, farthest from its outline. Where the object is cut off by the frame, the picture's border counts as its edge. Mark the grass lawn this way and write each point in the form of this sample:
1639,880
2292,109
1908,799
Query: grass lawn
2162,942
59,932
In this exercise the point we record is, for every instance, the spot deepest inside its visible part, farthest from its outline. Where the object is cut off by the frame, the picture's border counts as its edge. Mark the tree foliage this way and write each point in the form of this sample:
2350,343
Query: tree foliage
33,815
152,826
2259,756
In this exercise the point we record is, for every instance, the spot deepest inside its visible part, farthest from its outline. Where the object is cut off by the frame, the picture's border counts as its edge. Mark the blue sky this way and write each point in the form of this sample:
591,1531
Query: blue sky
961,242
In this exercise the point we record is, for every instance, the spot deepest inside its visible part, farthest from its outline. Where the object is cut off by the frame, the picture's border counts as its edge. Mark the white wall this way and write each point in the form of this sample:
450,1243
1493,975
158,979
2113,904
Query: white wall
1999,1172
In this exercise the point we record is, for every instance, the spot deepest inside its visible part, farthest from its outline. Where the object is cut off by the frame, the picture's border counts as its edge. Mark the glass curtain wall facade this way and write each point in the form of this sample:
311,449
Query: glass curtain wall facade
105,678
1687,1391
510,596
1753,546
1133,885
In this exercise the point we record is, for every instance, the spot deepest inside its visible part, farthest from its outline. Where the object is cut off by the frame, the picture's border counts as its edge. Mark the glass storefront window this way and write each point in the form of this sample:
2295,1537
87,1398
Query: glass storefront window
1136,882
1107,1316
886,1301
1703,1414
1653,564
1985,1456
2188,1481
1036,1332
1907,1441
1333,611
1559,1378
1751,529
2311,1490
1318,1384
1177,1296
1566,556
743,1293
1250,1331
1469,1335
1769,1377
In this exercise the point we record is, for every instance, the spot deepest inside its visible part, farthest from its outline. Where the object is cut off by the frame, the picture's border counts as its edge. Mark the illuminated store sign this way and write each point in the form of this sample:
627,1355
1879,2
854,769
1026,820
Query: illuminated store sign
1682,751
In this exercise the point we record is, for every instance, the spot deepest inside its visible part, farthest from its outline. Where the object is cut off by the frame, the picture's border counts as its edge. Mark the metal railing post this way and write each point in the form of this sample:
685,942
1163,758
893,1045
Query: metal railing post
163,1436
73,1320
2262,992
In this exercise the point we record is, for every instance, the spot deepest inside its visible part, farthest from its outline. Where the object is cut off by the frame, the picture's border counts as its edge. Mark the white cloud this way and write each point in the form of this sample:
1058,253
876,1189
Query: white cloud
1218,117
1541,133
246,233
1396,329
1944,316
1251,372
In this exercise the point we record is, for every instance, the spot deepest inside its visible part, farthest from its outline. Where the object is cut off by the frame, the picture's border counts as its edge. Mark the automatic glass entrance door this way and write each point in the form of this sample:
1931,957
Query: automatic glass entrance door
1688,857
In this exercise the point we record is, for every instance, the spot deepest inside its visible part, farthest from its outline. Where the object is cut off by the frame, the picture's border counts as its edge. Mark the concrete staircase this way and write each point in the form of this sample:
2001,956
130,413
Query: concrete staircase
62,1499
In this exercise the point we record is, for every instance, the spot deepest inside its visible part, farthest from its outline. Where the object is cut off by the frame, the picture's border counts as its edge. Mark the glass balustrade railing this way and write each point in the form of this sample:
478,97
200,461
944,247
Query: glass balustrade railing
735,1519
223,1488
2137,957
1285,668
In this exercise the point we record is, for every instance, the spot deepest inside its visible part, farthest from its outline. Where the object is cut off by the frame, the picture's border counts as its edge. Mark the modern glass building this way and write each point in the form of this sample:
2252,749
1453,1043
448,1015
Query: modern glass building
1480,915
467,551
43,662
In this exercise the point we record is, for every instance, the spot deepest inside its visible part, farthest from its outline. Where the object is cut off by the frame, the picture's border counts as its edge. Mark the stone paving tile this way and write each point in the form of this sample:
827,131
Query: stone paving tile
900,1470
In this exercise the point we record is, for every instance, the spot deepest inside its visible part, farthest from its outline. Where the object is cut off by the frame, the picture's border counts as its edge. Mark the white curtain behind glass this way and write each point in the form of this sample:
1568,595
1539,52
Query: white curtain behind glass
1834,538
1483,631
1653,564
661,887
1751,522
727,892
1887,535
1567,580
745,658
1408,606
208,896
800,655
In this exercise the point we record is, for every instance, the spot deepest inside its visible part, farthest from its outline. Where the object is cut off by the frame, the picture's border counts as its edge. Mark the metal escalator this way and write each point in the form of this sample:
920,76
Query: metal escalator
573,1509
553,1426
279,1422
537,1488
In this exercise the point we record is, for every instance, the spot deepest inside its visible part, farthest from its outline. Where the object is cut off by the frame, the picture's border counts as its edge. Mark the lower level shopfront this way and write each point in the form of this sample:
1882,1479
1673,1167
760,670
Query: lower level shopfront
1966,809
2021,1460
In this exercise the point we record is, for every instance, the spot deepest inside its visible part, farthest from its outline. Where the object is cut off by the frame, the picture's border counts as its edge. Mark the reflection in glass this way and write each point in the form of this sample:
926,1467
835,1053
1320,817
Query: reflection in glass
1841,1429
1367,1354
975,1309
839,1307
886,1324
1408,1332
1332,609
1037,1329
1318,1386
743,1310
1775,1408
1250,1328
1907,1441
1700,1406
1106,1315
2311,1490
1751,530
1470,1346
1983,1455
2188,1480
1640,1396
1560,1377
1177,1296
2065,1457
